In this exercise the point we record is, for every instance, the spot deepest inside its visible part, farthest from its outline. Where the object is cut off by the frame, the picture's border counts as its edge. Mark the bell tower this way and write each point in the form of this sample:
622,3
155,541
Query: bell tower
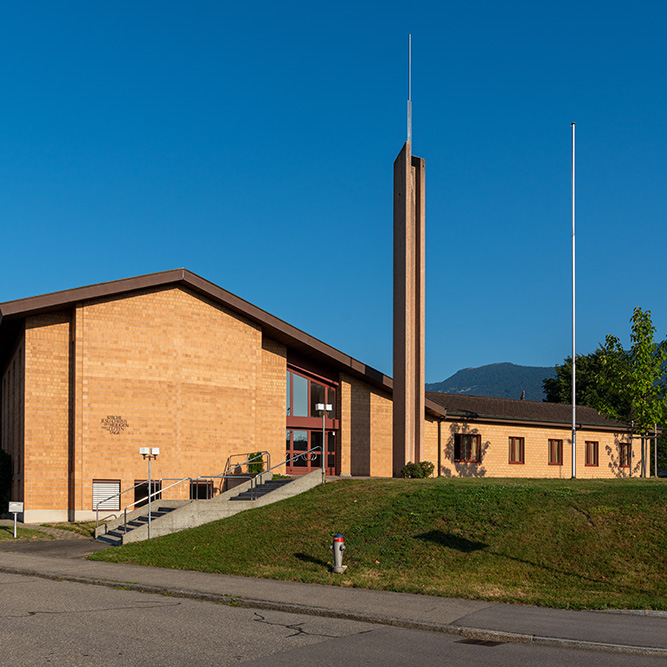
409,303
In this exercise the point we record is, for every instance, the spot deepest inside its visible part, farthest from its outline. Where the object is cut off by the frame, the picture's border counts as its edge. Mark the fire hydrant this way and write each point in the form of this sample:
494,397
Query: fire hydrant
338,547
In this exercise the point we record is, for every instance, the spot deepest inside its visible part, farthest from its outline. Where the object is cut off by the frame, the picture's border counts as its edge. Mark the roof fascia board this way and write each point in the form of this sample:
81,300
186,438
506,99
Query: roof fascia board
272,325
36,304
618,428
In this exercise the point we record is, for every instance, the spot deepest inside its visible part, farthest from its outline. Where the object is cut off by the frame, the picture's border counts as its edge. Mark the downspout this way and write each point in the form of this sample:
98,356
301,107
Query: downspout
442,419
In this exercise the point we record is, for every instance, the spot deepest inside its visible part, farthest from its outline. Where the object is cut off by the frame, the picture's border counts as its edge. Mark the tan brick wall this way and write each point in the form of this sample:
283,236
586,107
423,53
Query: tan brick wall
366,445
430,446
13,404
366,429
47,411
187,375
271,402
495,452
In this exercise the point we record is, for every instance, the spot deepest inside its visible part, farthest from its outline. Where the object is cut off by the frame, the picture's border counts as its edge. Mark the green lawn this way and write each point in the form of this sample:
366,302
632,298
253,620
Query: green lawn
86,528
578,544
7,534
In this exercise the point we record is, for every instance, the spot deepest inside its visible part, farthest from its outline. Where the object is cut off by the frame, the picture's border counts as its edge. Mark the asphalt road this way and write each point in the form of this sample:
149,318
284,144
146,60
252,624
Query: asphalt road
48,622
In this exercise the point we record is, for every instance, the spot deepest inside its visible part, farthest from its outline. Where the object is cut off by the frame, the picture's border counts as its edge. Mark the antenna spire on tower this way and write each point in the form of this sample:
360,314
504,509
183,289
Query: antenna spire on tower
410,88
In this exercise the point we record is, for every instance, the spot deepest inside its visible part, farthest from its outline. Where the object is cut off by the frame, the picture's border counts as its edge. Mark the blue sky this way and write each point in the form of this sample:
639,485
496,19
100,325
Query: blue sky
253,144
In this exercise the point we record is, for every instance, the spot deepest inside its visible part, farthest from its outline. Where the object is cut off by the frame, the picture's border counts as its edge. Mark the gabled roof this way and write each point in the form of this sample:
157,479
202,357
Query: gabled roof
485,408
12,312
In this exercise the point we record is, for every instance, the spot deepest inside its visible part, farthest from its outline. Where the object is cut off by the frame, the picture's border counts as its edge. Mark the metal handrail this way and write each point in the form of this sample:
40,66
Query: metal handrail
248,460
150,495
294,458
224,475
119,494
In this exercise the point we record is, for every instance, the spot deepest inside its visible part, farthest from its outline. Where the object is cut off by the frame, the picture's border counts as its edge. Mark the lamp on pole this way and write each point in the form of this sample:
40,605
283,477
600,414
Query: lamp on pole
149,453
324,408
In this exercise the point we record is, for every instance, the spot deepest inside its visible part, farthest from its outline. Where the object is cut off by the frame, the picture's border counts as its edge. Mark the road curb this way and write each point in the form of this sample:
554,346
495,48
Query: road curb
294,608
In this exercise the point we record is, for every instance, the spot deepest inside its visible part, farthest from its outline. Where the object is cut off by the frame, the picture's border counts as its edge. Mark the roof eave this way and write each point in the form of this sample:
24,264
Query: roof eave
274,327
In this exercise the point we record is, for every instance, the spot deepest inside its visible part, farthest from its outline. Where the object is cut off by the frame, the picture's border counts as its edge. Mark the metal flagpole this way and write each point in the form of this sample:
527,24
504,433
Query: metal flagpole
574,363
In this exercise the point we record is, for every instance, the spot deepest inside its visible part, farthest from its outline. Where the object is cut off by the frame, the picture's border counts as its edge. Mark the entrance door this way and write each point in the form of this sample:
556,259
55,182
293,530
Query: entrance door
300,441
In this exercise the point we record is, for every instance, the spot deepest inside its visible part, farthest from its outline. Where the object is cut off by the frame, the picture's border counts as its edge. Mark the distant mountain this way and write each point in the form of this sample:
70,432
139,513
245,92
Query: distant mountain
502,380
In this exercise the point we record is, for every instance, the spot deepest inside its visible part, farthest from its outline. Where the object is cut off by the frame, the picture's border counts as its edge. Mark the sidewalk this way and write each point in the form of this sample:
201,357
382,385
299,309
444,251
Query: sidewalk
627,632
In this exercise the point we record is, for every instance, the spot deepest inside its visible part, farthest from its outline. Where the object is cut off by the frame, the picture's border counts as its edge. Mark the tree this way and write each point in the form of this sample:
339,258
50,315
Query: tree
627,385
637,376
590,391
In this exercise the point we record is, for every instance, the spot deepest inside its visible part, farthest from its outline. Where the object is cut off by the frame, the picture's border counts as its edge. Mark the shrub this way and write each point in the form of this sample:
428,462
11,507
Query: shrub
418,470
255,462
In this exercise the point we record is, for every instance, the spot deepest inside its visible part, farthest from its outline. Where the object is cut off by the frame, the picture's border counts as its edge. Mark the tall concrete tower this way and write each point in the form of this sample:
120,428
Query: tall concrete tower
409,303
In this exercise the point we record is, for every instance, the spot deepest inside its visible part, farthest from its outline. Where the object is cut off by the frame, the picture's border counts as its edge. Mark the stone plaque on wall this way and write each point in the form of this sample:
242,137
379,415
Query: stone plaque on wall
114,424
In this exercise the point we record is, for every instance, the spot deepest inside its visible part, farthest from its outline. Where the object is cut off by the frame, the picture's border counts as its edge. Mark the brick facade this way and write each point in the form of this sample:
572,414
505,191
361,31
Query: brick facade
175,366
47,412
494,462
367,443
183,373
366,429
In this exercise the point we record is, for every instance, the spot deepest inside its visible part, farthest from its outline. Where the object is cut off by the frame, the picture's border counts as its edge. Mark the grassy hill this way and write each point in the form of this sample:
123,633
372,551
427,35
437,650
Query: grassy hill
576,544
502,380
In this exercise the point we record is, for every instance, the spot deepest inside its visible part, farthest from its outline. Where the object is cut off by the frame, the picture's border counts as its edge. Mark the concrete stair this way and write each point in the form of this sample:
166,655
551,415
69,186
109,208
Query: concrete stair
261,490
114,537
172,516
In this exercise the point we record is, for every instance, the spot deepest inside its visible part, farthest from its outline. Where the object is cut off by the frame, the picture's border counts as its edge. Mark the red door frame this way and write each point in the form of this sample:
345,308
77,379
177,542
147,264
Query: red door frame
312,425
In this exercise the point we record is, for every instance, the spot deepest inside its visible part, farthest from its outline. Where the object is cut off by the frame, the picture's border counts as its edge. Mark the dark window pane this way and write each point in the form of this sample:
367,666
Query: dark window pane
300,441
331,461
318,394
332,400
315,439
287,406
466,447
141,492
331,444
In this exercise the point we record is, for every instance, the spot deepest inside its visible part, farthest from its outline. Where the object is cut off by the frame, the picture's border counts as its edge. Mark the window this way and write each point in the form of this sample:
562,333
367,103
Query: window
318,394
299,396
106,492
141,491
467,447
302,395
201,489
297,443
555,452
591,453
516,450
625,454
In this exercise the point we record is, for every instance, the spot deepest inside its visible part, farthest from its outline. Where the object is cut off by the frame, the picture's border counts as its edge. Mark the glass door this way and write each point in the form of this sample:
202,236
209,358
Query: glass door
299,441
304,423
